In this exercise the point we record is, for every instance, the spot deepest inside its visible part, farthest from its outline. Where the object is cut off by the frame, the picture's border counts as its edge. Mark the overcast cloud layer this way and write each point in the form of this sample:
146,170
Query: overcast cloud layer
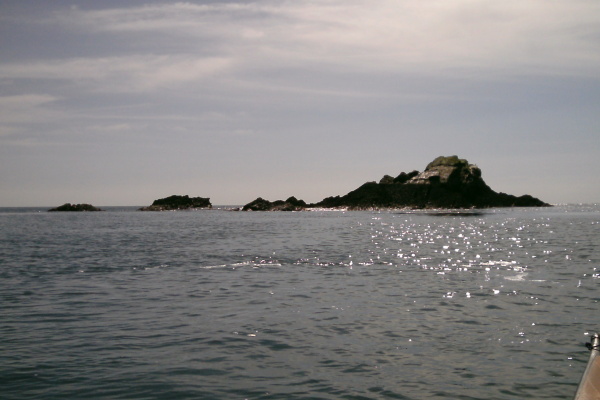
119,103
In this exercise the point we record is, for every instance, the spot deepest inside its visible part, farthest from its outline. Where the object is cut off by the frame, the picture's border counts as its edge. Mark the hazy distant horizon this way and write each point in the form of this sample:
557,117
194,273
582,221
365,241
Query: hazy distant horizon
123,102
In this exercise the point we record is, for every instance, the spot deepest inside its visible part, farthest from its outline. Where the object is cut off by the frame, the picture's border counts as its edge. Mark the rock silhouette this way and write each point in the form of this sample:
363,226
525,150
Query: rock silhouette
260,204
176,202
75,207
446,182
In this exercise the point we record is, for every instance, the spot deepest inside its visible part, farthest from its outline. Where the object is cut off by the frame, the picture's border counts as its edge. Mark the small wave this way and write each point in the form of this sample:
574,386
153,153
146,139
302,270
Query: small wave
214,266
155,267
518,277
500,263
253,264
342,209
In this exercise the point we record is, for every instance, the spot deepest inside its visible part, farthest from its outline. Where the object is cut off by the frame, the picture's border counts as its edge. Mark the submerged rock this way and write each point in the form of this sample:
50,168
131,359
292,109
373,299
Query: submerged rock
176,202
75,207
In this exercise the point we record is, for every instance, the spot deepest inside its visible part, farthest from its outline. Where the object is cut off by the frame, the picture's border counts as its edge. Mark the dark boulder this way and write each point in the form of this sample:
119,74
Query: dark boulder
75,207
295,202
259,204
386,179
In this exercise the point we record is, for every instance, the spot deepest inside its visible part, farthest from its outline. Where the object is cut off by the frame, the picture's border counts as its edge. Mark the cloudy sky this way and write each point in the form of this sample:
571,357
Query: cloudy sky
123,102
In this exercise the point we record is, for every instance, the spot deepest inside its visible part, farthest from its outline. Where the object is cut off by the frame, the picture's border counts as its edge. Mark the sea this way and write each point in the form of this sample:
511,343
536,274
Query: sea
219,304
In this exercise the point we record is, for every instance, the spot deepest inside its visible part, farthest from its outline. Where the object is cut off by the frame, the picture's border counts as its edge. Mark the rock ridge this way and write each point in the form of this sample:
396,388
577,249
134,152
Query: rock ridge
447,182
75,207
291,204
176,202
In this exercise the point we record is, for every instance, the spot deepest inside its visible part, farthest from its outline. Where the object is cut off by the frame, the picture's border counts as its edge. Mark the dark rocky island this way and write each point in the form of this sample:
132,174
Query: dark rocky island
176,202
446,182
75,207
260,204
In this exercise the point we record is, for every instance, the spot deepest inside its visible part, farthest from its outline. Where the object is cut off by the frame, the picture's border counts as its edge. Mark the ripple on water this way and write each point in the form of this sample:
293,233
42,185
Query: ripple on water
303,305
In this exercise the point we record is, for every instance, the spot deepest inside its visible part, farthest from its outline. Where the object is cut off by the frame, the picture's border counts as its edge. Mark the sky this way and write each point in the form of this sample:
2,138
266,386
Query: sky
124,102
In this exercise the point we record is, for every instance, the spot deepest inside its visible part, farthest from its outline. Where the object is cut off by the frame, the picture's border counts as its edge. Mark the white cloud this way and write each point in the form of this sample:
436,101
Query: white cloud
425,36
7,130
25,107
120,74
25,100
254,46
171,17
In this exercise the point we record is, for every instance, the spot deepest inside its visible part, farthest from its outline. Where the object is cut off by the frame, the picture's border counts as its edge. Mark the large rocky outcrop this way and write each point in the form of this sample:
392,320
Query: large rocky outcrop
75,207
176,202
446,182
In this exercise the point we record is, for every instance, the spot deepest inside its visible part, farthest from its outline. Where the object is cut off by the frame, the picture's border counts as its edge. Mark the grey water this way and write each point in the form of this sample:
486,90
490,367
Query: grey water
215,304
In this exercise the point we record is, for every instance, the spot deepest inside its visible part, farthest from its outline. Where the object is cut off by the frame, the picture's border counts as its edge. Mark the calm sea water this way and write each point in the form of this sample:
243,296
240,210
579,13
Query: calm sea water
217,304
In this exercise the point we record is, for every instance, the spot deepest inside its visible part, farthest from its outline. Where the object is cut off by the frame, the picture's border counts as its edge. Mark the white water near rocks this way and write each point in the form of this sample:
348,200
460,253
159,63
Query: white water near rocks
216,304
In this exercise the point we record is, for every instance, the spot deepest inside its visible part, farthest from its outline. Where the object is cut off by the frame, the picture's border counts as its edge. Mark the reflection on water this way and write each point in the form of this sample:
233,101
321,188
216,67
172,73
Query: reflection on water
324,305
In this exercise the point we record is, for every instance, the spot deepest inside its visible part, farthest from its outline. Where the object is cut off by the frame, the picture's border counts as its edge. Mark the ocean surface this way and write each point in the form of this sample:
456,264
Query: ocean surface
215,304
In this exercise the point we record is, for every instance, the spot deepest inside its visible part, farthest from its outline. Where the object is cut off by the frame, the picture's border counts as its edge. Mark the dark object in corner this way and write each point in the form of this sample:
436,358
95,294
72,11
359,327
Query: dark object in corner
589,386
75,207
176,202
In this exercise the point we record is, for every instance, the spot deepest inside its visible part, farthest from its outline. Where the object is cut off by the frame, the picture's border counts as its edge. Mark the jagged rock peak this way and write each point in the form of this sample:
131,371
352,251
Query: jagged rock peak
451,170
447,161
